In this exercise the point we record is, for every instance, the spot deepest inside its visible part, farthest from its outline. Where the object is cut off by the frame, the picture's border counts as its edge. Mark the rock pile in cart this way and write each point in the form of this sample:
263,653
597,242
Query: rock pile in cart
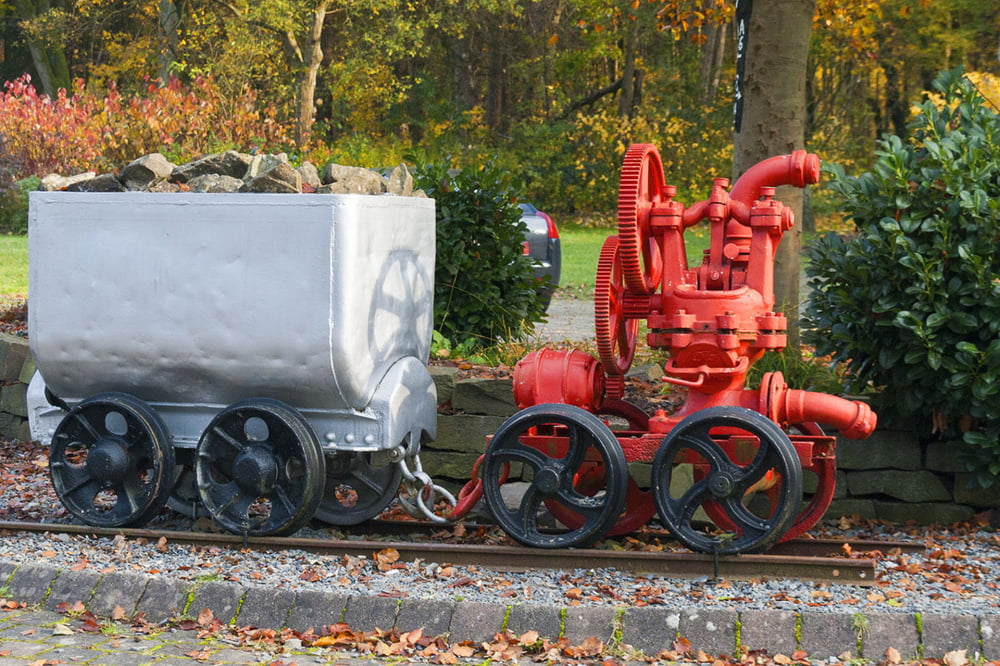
233,171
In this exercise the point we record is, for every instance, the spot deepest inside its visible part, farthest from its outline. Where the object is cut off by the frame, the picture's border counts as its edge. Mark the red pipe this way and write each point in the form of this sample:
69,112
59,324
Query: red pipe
854,420
798,169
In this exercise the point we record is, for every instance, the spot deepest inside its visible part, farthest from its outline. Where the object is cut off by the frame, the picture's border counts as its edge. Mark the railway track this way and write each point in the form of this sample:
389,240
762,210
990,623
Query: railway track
819,560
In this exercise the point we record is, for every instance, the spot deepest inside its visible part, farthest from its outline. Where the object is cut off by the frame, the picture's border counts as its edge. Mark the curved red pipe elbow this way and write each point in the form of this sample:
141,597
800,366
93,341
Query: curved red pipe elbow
854,419
798,169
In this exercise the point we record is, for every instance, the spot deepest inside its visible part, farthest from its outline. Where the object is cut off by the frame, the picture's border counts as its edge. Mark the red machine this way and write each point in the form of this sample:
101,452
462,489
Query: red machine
732,455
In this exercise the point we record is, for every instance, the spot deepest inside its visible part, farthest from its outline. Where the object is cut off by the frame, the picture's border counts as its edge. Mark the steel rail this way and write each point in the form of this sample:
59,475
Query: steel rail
856,571
801,546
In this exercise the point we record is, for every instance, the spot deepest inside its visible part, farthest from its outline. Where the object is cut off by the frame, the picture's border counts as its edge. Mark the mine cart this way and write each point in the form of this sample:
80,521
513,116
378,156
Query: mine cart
261,357
725,472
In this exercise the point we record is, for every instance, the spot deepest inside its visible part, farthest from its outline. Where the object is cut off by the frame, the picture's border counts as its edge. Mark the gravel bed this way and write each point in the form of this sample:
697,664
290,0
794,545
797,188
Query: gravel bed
957,573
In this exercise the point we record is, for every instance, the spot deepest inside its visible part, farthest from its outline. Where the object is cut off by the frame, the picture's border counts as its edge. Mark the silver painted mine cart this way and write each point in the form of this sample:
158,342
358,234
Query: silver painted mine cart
259,356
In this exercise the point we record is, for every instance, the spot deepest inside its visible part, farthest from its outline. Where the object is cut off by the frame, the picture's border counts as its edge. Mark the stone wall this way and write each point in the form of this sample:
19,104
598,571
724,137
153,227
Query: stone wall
891,476
16,369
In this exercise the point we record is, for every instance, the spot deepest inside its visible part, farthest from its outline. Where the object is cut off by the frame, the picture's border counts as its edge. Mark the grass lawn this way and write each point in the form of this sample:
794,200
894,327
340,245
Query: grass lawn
13,266
581,246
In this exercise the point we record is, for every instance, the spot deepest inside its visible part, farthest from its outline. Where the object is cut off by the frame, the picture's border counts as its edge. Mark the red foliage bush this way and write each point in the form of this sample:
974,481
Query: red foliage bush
83,131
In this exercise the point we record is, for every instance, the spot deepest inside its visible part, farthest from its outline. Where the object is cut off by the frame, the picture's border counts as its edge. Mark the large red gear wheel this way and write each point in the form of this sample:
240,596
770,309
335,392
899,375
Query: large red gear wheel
615,334
640,189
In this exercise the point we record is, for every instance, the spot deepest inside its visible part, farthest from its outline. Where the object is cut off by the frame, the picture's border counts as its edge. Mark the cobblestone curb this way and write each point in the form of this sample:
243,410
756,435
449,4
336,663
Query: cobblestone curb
647,629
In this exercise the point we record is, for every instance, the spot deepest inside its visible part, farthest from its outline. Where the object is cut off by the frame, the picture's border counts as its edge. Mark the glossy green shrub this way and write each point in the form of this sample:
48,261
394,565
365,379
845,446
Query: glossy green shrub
910,300
484,286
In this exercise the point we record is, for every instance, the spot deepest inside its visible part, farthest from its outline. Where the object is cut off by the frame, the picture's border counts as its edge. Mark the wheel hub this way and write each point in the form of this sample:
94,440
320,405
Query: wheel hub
107,461
256,470
547,480
721,485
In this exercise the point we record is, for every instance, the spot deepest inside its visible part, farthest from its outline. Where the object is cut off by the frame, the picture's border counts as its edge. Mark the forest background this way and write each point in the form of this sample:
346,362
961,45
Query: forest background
553,91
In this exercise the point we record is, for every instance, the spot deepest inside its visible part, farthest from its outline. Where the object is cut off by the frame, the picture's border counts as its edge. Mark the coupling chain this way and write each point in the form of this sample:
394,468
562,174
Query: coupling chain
420,486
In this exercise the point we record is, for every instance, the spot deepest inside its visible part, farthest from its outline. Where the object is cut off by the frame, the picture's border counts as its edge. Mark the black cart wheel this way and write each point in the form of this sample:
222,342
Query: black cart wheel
111,461
357,488
184,497
711,443
553,443
260,469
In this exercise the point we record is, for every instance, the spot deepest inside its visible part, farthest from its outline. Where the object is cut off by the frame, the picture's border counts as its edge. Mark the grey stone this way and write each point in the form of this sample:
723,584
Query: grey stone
340,179
140,173
890,630
166,186
265,608
400,181
650,629
967,491
711,630
13,352
476,622
584,622
262,163
942,457
434,617
31,582
229,163
10,426
828,634
280,178
309,175
71,587
810,482
105,182
14,399
214,182
915,486
28,369
889,449
989,631
850,507
546,620
54,182
163,599
444,377
465,432
7,570
118,590
366,613
942,633
223,599
491,397
448,464
924,513
316,609
770,630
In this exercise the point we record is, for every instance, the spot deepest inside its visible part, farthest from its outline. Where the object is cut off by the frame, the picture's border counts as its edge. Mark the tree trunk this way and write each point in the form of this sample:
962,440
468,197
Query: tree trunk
770,115
50,61
312,60
169,18
630,42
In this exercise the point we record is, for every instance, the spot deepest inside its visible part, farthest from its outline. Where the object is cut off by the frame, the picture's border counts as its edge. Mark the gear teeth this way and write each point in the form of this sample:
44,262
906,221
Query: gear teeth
614,334
642,162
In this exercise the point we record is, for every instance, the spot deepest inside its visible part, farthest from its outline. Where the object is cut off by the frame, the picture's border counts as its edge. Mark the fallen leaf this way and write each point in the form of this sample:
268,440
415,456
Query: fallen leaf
784,660
956,658
161,545
892,656
62,629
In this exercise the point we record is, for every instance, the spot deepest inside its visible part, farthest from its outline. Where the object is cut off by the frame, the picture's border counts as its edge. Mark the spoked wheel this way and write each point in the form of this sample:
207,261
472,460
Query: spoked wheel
822,466
260,468
590,480
357,488
184,498
111,461
553,443
640,189
614,333
708,441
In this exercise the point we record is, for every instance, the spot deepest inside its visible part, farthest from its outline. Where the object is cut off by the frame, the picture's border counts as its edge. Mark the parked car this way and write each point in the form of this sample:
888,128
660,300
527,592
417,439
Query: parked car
541,243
